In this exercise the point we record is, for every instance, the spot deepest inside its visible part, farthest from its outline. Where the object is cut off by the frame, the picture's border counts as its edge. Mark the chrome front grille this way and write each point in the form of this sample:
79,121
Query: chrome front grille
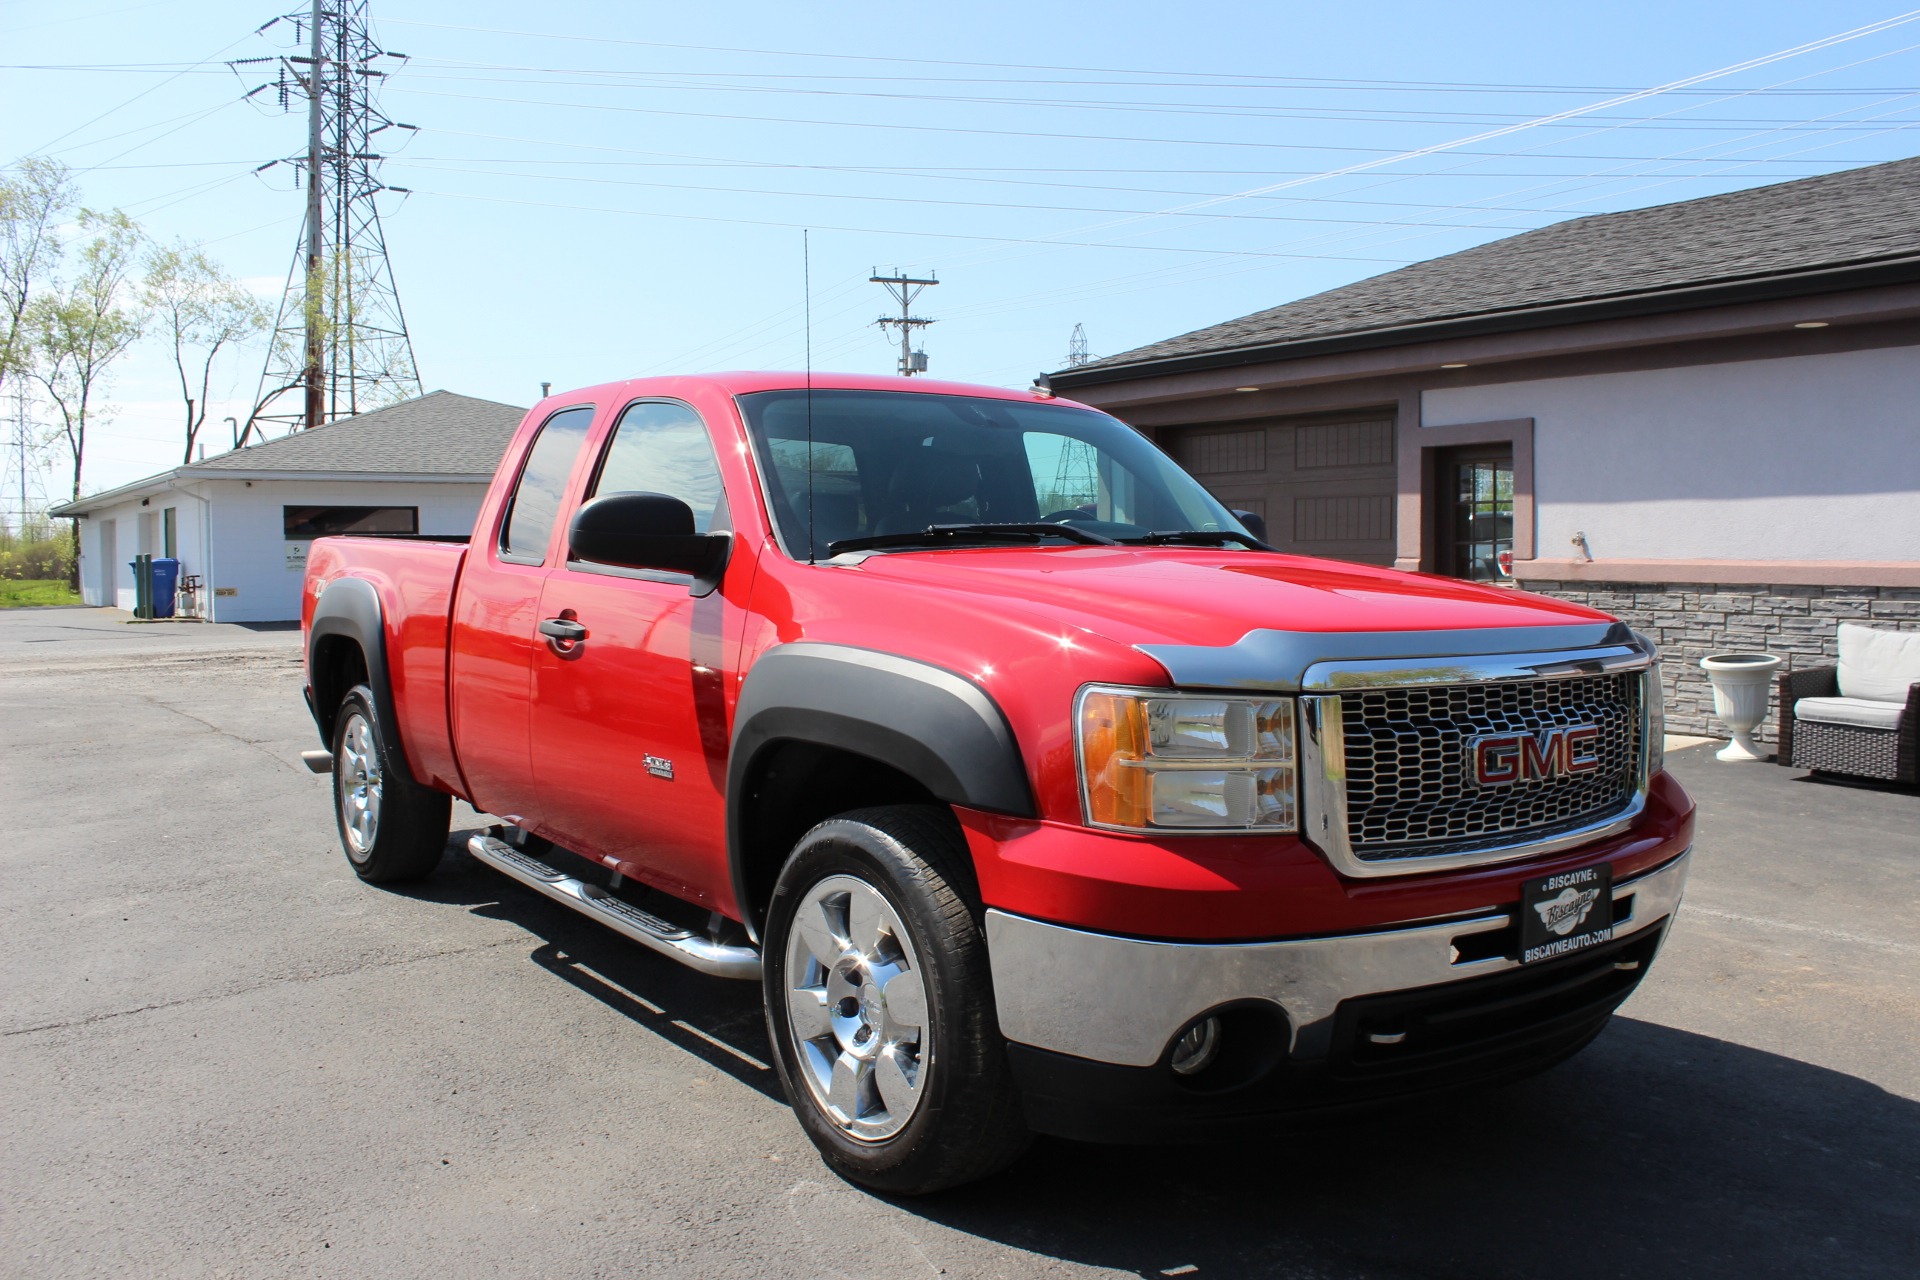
1409,789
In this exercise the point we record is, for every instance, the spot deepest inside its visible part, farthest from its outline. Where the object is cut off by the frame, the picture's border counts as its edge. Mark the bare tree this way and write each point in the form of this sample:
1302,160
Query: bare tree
80,328
200,310
32,203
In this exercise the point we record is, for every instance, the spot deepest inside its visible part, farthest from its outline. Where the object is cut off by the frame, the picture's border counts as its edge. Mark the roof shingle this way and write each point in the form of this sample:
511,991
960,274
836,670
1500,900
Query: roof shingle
439,433
1856,216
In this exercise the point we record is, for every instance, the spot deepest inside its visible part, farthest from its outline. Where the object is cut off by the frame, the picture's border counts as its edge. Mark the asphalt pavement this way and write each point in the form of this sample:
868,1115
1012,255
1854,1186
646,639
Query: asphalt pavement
222,1055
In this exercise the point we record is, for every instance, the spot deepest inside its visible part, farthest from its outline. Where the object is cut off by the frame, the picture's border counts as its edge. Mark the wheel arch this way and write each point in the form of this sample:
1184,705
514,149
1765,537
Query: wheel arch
823,728
347,645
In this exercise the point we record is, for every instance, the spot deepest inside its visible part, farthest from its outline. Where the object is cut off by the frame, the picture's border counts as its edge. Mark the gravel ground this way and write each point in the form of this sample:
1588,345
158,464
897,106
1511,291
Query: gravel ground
224,1056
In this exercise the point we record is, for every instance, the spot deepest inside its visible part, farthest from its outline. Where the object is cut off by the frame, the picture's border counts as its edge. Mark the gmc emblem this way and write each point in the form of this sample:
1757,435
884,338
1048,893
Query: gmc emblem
1502,759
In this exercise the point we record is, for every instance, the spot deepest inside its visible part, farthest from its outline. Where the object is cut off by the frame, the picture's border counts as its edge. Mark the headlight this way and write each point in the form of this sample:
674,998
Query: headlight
1153,761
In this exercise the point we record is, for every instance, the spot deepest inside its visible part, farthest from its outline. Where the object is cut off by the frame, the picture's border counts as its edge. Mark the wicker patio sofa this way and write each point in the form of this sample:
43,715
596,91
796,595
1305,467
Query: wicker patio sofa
1860,716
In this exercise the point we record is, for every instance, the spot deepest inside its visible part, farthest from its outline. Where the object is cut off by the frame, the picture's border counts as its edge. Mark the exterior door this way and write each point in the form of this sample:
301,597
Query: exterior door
629,723
496,622
109,570
1325,486
1476,516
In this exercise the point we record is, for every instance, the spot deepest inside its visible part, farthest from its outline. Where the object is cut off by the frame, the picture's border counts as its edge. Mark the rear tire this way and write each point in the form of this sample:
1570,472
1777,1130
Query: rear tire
880,1006
392,829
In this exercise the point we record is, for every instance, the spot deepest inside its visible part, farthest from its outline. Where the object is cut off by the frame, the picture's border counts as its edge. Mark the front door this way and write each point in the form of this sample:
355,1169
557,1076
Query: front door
1477,514
629,723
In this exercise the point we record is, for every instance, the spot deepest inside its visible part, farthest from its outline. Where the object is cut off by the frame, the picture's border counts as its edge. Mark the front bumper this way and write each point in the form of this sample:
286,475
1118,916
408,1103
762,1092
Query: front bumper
1090,1013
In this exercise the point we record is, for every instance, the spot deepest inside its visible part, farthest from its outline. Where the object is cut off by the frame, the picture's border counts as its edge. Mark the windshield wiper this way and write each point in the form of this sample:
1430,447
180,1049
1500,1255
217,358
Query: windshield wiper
1196,538
936,534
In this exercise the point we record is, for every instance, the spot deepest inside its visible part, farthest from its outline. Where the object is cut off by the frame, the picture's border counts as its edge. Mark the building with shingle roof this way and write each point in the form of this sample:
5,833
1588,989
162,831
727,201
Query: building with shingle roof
240,523
1703,416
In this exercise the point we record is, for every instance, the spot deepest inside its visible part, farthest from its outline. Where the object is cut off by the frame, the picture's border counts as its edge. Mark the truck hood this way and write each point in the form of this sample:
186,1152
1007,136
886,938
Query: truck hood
1186,596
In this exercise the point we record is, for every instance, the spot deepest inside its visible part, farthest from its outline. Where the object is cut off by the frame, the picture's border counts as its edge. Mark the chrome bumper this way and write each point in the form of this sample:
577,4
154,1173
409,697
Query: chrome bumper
1122,1000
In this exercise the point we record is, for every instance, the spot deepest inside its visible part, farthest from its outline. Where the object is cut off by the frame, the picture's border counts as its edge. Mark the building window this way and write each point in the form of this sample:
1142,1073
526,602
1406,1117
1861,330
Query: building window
1478,492
321,522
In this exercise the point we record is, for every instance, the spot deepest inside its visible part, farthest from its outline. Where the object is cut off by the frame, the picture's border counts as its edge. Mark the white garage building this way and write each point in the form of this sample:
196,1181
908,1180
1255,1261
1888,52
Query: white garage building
241,523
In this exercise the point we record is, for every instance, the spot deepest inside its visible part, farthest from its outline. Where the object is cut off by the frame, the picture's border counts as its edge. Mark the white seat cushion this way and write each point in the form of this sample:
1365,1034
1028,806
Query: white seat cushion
1878,664
1860,713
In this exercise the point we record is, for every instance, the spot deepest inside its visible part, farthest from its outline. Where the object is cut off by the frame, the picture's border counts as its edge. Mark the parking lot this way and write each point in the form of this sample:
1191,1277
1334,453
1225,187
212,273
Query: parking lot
223,1055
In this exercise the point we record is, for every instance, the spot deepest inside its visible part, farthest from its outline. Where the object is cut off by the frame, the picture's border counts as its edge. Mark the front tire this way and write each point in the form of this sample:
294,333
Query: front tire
392,829
880,1008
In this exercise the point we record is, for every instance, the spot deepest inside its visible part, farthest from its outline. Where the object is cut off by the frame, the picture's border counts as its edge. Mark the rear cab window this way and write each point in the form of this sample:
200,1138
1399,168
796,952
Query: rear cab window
542,487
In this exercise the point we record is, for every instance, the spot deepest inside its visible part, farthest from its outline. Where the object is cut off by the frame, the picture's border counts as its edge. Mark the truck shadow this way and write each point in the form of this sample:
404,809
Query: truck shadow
1654,1153
716,1020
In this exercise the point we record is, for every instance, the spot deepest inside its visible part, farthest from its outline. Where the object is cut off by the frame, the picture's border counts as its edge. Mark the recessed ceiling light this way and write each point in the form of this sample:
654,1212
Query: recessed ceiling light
1459,364
1246,388
1811,324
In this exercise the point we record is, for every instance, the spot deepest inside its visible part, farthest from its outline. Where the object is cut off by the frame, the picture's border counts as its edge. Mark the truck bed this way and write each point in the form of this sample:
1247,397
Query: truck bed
414,577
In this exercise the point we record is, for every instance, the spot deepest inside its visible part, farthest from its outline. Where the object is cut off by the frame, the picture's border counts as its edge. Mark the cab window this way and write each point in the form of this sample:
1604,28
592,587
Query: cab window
542,486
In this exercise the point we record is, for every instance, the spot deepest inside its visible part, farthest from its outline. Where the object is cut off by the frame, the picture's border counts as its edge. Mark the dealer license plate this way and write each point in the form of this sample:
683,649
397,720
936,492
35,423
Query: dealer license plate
1565,913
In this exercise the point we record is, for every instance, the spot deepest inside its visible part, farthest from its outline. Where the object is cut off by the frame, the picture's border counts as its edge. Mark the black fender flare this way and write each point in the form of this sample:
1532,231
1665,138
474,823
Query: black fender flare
350,608
932,724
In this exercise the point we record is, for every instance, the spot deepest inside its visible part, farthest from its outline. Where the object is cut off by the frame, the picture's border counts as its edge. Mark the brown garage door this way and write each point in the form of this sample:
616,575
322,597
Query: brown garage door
1326,487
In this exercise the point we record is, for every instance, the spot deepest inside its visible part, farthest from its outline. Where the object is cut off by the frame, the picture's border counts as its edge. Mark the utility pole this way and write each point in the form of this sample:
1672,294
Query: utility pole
1077,348
905,289
340,337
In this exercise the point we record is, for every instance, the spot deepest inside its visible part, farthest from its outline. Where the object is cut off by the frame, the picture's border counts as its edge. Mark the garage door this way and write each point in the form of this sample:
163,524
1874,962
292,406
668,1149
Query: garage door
1325,487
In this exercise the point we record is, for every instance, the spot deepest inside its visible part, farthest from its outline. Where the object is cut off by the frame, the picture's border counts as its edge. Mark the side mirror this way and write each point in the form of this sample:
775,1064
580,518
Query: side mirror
1256,524
648,531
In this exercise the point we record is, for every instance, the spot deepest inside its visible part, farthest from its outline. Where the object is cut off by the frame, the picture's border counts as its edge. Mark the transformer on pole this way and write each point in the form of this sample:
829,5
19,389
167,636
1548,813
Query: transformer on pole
340,337
905,289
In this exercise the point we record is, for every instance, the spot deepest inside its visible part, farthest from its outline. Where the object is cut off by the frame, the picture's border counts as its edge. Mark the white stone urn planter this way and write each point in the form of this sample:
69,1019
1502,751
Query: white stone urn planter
1742,691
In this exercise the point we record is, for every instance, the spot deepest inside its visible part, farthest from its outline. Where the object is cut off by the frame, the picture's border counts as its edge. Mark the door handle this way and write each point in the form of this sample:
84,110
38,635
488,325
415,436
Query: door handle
562,631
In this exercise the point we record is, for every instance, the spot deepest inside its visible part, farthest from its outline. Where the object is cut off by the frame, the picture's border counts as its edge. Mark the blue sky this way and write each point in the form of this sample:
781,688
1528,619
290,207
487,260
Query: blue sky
606,190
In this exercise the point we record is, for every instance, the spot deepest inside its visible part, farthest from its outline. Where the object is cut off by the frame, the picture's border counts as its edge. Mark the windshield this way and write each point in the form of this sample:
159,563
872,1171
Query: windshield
895,462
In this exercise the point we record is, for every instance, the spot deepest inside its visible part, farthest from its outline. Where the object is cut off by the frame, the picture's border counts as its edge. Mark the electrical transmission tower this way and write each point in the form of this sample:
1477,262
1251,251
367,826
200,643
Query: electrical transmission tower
1077,348
339,338
905,289
23,464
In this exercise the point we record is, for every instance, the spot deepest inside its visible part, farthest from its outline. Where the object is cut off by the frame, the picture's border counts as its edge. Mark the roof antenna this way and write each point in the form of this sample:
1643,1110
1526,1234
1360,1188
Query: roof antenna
806,302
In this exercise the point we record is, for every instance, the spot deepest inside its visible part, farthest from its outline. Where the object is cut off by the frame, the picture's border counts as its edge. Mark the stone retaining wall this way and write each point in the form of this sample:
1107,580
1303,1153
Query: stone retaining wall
1690,620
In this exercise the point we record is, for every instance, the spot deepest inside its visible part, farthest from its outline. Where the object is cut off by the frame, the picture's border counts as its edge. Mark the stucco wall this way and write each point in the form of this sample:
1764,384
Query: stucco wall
1808,458
246,550
249,534
125,520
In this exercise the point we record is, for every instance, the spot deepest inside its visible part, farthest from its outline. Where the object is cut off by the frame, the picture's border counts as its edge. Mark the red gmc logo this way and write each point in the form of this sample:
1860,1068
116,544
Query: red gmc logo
1502,759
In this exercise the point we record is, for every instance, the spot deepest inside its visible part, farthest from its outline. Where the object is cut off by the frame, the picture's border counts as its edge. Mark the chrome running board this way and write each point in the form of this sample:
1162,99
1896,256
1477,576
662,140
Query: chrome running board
689,948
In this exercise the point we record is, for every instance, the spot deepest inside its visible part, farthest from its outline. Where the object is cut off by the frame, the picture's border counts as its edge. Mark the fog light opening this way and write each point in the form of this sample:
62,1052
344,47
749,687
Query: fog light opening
1197,1047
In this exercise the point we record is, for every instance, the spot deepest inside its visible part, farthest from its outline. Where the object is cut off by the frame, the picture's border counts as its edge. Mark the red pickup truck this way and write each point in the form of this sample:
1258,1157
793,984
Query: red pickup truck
1040,793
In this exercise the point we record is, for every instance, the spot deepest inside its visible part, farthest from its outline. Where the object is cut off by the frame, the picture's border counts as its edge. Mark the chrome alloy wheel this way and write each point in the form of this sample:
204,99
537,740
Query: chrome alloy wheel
359,773
857,1008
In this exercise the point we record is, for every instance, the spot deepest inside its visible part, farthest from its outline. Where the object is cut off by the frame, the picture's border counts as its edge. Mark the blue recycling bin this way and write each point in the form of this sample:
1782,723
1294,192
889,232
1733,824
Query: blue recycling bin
166,581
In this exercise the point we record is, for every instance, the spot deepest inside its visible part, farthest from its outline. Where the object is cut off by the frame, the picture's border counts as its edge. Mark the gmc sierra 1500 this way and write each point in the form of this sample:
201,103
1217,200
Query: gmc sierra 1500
1038,791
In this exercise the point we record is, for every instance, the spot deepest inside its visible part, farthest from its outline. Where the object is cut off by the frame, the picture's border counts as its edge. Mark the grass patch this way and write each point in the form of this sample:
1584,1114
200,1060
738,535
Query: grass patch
17,593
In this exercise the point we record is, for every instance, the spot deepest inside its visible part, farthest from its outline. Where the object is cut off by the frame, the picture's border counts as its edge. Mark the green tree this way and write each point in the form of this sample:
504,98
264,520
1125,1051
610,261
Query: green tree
80,327
33,201
199,309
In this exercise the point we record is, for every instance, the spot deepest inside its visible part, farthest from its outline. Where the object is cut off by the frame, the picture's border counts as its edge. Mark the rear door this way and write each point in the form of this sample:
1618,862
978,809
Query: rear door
495,624
629,723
